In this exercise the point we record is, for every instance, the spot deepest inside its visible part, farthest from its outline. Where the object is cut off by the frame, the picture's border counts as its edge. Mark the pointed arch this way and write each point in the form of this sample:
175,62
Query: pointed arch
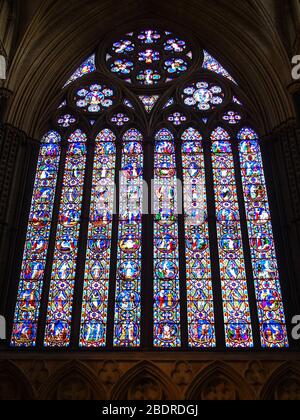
218,381
14,385
127,316
144,381
74,381
211,64
93,330
236,305
102,256
200,296
167,301
264,85
61,294
283,384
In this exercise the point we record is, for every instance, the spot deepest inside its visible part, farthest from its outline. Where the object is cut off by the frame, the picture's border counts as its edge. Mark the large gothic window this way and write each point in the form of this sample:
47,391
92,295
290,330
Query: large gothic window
150,224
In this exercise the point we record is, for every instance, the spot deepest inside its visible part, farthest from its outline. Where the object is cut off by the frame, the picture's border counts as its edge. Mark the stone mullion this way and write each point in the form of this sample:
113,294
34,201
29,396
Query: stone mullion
16,152
292,161
285,162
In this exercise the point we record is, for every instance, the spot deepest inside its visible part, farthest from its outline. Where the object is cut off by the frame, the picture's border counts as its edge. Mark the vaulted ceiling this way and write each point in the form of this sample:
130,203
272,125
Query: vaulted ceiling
254,39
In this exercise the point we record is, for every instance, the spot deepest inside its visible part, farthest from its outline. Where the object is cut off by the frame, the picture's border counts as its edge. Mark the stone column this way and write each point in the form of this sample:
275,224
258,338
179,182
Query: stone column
16,152
282,161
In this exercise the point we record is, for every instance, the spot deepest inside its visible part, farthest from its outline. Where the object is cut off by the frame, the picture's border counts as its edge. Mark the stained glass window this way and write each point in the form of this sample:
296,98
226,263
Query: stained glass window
104,266
96,285
236,307
37,243
265,270
149,57
211,64
59,317
149,102
177,118
169,103
203,96
128,289
200,301
166,265
87,67
94,98
128,103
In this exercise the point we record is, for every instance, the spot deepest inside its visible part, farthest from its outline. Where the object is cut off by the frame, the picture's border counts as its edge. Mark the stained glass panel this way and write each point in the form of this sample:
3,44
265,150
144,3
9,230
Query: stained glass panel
66,120
95,98
128,103
200,301
149,102
120,119
37,243
149,57
266,276
89,66
97,268
129,264
170,102
167,329
211,64
60,304
177,118
238,329
232,118
203,96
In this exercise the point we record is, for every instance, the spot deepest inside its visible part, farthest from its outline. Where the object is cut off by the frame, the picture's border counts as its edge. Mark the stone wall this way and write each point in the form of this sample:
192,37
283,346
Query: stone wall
135,378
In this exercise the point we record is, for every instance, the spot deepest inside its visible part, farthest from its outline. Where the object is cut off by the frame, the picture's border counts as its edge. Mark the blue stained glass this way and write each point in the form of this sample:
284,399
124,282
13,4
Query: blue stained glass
60,304
128,285
266,276
36,246
149,57
200,302
176,66
149,102
203,96
167,329
238,329
149,37
97,268
211,64
95,98
87,67
122,66
175,45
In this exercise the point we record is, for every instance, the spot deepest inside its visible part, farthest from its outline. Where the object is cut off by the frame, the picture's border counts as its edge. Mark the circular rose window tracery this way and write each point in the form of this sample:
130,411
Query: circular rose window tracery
203,96
148,58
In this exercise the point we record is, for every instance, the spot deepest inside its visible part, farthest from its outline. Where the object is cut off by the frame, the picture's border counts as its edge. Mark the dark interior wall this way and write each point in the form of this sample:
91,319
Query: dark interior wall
297,105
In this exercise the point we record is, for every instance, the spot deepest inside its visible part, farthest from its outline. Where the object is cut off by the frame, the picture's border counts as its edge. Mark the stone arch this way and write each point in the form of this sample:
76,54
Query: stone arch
219,382
49,47
284,384
75,382
14,385
145,381
9,20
